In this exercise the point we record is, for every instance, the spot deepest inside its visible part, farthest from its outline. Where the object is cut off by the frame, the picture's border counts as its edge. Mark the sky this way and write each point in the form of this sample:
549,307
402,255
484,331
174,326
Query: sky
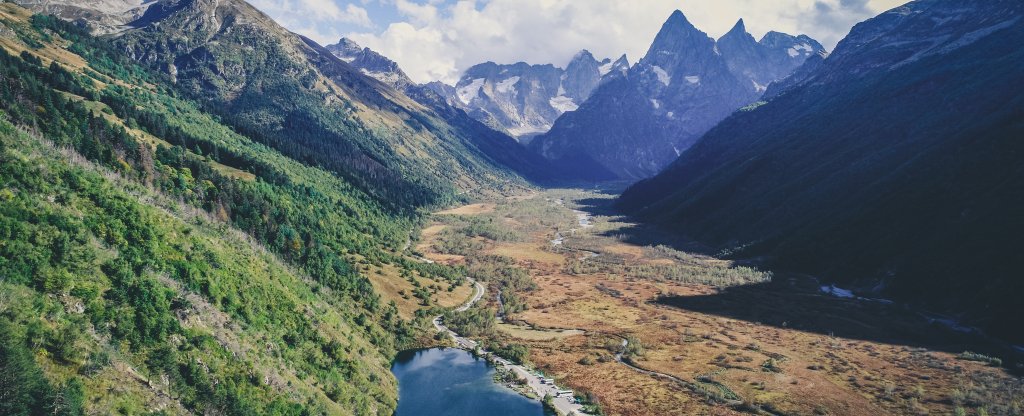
438,39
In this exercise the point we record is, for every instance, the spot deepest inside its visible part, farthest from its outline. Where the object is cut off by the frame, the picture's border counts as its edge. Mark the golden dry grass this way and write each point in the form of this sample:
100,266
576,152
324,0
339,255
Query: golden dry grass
425,247
472,209
526,252
531,334
388,282
624,249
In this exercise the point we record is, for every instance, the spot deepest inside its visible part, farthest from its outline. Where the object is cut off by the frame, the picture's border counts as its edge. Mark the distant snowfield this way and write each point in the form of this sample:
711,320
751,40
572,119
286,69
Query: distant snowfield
795,51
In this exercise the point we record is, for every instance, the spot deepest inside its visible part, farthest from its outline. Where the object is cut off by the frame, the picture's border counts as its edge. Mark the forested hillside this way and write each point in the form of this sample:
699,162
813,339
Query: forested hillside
289,93
155,258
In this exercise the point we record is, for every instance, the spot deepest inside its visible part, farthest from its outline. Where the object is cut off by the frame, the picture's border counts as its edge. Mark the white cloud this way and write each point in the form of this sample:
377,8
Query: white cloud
420,13
437,40
307,17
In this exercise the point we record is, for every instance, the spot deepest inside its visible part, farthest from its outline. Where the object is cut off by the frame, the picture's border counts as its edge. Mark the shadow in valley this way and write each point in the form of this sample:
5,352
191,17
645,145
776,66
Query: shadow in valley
795,302
639,233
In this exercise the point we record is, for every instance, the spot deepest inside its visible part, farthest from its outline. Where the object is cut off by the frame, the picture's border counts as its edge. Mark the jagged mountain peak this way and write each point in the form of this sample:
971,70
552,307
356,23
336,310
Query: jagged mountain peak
346,49
739,28
583,54
371,63
678,34
583,63
677,42
615,68
738,34
778,40
677,20
348,44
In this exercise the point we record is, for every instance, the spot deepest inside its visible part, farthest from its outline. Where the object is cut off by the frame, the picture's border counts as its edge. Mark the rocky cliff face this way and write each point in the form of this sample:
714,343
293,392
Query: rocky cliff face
685,84
524,100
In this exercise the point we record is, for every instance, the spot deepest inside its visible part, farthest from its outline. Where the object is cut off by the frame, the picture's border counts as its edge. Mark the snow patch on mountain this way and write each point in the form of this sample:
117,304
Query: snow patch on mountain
528,129
563,104
507,85
663,76
760,88
469,92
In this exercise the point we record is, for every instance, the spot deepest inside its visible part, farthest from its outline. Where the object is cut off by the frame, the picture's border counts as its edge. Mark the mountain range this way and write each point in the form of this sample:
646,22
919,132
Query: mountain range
687,82
524,100
891,166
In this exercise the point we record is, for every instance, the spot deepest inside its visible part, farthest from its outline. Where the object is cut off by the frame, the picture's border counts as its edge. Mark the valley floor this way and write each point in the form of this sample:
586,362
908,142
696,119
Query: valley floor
705,336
